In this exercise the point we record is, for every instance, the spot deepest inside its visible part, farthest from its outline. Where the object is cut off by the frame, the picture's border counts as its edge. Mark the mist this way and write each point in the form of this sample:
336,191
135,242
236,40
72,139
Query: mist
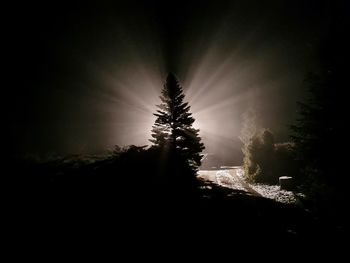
91,77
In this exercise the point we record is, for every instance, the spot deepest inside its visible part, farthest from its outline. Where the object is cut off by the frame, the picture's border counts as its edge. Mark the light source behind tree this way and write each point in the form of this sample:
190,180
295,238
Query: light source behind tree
173,131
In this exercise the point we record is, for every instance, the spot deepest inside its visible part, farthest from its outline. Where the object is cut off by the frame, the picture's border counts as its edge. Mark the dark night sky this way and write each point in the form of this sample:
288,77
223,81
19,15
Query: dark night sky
86,77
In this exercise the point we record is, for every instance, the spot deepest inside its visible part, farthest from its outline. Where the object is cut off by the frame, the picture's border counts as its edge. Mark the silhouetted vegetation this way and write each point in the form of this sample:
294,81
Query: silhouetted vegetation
285,163
319,131
173,132
147,190
315,142
265,161
167,170
127,190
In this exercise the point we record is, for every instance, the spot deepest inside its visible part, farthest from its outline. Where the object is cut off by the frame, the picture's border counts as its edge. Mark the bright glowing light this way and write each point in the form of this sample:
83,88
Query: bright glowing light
223,83
130,103
220,84
123,99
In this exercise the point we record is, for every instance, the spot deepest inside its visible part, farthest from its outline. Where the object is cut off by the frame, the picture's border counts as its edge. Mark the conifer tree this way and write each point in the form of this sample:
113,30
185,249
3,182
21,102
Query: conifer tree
173,128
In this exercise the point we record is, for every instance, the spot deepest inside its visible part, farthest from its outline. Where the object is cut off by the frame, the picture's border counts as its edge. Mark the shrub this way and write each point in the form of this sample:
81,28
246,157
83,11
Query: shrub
265,161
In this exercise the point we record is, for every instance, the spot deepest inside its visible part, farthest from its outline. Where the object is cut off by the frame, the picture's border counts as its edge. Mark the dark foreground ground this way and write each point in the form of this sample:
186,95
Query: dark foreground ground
71,209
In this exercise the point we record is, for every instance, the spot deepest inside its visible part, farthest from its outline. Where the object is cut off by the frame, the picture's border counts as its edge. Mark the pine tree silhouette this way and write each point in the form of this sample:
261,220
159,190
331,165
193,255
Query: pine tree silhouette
173,128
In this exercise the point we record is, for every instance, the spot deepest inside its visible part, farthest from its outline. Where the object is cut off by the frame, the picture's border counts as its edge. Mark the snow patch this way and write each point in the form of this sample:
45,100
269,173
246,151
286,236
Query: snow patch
274,192
224,178
271,191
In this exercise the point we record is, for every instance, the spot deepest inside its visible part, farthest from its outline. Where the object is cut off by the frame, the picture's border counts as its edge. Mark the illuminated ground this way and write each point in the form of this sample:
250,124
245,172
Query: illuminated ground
232,177
227,178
